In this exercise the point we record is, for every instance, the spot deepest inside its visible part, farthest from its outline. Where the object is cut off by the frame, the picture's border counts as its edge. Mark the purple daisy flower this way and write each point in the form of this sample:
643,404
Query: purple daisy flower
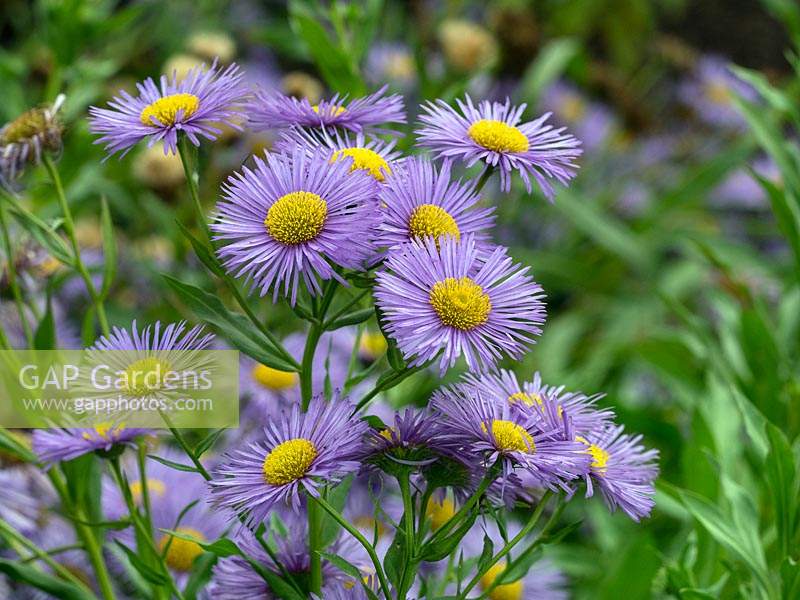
499,433
235,579
301,451
291,217
54,445
270,110
373,156
452,300
492,132
623,470
196,105
421,201
504,386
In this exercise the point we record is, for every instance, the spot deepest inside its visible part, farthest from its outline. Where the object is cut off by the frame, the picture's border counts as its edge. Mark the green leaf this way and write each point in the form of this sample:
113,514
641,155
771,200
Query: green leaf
787,214
200,575
45,234
45,336
109,248
141,567
336,497
207,442
353,318
236,328
550,63
174,465
441,547
343,565
54,586
781,475
202,251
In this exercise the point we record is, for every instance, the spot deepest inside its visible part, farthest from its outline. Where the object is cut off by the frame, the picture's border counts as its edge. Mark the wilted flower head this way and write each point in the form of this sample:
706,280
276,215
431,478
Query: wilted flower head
210,45
623,470
196,106
157,169
492,133
292,217
23,140
270,110
467,46
302,85
422,202
450,300
300,452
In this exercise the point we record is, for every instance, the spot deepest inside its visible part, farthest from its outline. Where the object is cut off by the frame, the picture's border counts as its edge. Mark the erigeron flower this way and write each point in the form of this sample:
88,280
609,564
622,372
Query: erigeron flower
294,218
26,138
197,105
452,301
299,452
492,133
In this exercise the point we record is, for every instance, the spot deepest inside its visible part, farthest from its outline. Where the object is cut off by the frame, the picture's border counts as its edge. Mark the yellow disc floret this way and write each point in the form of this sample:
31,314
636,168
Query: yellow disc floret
164,111
429,220
289,461
145,376
372,345
498,136
460,303
104,431
526,398
182,553
511,437
506,591
365,160
599,455
296,217
155,487
333,111
440,512
273,379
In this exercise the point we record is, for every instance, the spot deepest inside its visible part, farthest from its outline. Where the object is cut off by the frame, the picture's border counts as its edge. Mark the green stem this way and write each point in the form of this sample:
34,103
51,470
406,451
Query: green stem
69,228
86,536
185,447
146,536
10,533
344,309
190,171
467,506
390,382
144,484
314,544
361,539
12,276
537,513
307,365
487,174
408,568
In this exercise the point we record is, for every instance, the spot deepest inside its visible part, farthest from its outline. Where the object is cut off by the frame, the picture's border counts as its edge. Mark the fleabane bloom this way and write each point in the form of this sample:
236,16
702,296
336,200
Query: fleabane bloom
491,132
271,110
375,157
503,386
299,452
293,218
55,445
196,105
26,138
623,469
422,202
515,440
454,300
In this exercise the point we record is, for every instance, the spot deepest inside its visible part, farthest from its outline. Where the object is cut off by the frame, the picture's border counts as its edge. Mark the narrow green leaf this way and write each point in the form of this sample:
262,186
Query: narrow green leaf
55,586
109,248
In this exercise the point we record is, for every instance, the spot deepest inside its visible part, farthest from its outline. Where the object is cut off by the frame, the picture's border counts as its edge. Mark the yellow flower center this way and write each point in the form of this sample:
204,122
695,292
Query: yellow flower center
507,591
526,398
386,434
104,431
599,455
440,513
273,379
165,110
296,217
573,108
366,160
718,93
182,553
429,220
509,436
145,376
460,303
25,126
330,110
155,487
372,344
498,136
289,461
